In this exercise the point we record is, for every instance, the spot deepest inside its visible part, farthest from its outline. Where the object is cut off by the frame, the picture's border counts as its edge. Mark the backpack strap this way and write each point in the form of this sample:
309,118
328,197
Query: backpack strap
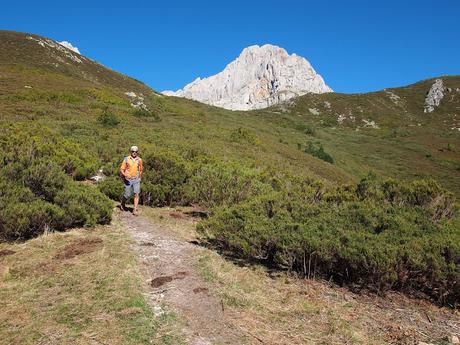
138,161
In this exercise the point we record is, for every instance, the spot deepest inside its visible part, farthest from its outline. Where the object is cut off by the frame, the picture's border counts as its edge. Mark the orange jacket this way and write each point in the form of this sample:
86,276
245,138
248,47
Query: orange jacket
131,167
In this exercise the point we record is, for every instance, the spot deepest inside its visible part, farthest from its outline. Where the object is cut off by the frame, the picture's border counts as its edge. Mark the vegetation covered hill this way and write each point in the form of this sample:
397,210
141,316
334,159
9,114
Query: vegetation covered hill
387,131
288,186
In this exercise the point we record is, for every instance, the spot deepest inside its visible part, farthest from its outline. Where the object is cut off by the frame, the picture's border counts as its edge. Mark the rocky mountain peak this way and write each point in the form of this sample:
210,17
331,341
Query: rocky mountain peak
260,77
265,50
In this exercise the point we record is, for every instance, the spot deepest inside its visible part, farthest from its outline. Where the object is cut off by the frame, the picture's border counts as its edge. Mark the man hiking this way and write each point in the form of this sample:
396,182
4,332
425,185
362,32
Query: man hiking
131,171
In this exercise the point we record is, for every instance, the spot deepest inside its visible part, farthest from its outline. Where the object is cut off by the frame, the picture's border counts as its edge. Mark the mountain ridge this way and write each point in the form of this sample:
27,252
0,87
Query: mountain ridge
21,48
259,77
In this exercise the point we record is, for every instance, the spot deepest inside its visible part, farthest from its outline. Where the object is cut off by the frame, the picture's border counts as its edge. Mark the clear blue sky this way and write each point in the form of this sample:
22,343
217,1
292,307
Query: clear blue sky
357,46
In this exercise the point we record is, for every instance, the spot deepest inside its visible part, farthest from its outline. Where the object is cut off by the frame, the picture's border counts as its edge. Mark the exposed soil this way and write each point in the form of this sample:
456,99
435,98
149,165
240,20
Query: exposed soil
172,280
157,282
147,244
6,252
80,246
45,268
176,215
200,290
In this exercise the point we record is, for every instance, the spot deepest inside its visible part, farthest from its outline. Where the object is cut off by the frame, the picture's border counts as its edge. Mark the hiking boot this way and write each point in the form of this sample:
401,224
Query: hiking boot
123,205
135,212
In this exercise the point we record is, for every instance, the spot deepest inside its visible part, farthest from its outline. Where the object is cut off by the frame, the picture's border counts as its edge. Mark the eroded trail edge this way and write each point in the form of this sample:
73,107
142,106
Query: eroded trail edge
169,267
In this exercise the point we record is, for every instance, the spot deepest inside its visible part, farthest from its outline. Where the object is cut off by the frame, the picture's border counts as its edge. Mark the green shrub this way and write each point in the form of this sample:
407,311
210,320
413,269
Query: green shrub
164,179
309,130
37,191
139,112
426,194
108,119
112,186
26,143
157,194
361,235
44,179
20,220
305,128
399,132
83,206
244,135
216,184
329,122
107,96
30,206
72,97
317,151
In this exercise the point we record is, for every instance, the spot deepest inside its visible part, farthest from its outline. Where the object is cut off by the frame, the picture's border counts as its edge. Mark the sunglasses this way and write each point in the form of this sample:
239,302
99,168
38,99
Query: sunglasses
134,151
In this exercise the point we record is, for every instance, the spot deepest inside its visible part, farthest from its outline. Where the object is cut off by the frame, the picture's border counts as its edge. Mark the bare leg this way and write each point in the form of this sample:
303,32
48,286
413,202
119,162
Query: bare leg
123,203
136,203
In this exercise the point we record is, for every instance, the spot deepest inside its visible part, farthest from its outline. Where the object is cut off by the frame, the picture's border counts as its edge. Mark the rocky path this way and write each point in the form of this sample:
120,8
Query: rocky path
172,281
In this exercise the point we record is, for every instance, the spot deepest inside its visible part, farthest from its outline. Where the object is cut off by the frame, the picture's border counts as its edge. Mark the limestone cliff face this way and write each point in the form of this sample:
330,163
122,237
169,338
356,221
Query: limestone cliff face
434,96
258,78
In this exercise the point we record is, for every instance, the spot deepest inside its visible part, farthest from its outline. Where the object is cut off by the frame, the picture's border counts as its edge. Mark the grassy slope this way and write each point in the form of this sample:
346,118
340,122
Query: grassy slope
69,97
408,144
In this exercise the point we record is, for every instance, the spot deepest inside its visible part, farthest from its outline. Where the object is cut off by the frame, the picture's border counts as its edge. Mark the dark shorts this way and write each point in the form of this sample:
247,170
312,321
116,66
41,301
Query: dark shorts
132,186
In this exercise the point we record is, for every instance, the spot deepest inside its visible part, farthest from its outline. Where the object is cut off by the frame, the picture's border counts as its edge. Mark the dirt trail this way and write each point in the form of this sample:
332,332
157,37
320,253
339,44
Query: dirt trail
169,269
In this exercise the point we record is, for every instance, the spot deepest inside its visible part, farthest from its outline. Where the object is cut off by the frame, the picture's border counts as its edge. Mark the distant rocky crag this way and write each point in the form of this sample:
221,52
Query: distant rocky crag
258,78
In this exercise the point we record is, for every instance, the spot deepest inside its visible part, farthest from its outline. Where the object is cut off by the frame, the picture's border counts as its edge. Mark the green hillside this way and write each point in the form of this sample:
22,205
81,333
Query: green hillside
408,143
282,184
69,100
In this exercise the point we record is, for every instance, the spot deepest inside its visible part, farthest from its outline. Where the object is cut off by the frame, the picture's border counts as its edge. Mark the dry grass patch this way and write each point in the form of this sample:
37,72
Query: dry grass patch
180,221
78,287
274,308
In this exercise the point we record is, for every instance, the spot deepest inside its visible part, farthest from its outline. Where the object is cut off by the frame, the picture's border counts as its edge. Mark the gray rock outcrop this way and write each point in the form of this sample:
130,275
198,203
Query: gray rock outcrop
434,96
258,78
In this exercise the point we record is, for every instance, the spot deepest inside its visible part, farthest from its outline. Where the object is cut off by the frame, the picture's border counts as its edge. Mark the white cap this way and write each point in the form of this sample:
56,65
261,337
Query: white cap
133,148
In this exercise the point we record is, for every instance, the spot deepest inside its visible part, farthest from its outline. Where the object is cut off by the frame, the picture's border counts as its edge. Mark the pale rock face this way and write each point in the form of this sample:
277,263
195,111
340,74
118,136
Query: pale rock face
258,78
370,124
434,96
314,111
137,101
69,45
50,44
394,97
